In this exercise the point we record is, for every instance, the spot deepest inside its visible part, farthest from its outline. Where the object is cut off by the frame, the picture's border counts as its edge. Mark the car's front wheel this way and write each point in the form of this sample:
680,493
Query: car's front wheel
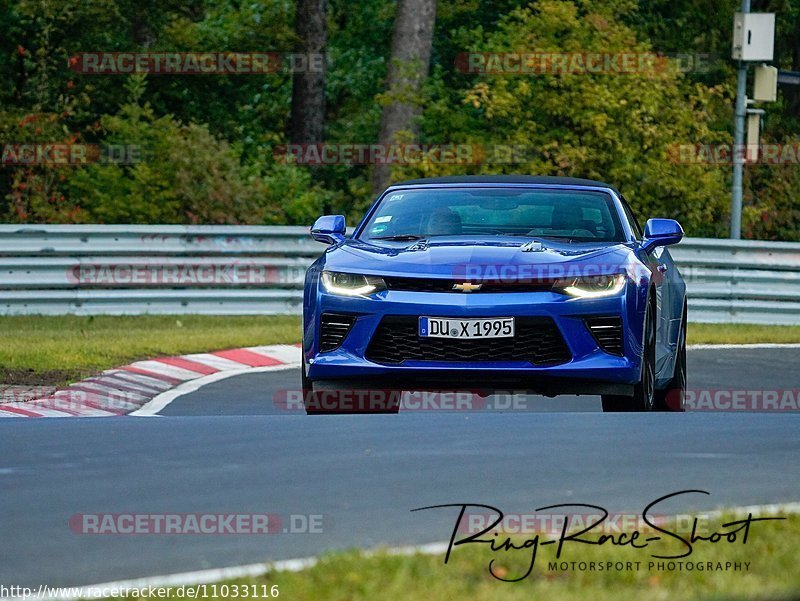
643,398
332,401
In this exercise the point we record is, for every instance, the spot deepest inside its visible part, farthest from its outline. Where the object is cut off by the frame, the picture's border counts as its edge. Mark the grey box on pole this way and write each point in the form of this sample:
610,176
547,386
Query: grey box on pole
753,36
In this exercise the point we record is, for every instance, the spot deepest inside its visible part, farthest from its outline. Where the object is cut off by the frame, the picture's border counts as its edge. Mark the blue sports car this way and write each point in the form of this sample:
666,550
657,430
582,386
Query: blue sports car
534,284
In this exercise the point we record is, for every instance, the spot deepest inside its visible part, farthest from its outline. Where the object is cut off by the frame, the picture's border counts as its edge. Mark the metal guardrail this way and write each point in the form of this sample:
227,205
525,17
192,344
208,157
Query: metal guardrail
246,270
741,281
118,270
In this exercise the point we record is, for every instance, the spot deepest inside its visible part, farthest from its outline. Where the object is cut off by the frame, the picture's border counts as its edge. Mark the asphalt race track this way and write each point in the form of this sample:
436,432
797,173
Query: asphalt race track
226,449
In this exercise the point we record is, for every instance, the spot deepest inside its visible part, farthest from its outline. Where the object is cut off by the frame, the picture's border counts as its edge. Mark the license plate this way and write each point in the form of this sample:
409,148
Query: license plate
446,327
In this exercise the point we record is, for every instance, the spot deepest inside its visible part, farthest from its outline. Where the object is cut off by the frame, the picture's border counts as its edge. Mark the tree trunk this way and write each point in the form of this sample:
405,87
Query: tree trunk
307,124
408,67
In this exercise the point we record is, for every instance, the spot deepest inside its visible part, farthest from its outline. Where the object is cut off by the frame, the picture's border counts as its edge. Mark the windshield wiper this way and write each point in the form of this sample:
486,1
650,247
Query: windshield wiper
567,238
398,237
522,235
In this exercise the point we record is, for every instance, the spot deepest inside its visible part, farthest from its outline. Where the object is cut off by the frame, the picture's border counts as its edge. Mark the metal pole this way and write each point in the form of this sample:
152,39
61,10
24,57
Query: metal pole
738,144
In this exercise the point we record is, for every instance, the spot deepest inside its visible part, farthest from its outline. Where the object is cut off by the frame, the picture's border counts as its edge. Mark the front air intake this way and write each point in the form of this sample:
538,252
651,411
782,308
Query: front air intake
537,340
607,332
334,328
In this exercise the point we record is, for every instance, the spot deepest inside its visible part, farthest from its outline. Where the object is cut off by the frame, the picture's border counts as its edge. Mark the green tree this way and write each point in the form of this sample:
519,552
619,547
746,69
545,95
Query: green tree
187,175
618,127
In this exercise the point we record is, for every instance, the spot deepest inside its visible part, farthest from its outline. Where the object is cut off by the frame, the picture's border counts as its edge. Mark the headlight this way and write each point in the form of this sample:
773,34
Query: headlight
594,286
351,284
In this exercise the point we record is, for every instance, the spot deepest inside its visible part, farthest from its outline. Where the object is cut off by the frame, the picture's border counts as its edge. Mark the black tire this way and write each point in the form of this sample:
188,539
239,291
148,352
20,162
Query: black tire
673,396
643,398
308,390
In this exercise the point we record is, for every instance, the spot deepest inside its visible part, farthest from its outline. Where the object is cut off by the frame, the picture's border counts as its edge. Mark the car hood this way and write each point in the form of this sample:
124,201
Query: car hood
445,257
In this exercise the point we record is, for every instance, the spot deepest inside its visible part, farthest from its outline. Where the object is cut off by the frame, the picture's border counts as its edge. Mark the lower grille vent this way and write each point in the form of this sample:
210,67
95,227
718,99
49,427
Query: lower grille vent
607,332
334,328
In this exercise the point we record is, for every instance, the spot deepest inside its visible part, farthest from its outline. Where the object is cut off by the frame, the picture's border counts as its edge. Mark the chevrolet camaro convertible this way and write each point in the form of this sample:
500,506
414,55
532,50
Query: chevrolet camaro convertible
496,283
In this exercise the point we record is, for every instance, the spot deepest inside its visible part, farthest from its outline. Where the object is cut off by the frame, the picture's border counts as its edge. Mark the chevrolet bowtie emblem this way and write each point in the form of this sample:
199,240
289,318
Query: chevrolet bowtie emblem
467,287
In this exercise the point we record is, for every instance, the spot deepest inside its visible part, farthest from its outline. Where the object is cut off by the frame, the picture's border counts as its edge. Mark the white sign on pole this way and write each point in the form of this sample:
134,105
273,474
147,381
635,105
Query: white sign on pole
765,84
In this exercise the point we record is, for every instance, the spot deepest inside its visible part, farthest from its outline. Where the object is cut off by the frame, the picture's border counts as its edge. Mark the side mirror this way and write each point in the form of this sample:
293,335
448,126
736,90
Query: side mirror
329,229
661,232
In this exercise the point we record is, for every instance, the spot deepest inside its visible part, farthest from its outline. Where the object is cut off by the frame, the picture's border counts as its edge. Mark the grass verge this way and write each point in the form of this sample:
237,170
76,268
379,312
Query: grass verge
739,333
771,550
44,350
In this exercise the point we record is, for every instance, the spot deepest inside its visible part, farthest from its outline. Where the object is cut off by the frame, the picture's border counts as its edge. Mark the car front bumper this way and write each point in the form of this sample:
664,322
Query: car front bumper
589,370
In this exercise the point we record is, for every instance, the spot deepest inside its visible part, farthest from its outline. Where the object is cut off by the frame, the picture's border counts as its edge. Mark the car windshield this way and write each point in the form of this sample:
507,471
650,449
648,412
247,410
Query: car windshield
576,215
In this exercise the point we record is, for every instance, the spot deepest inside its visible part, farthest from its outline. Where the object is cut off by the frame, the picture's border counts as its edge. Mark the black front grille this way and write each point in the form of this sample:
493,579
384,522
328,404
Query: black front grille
537,340
607,332
446,285
334,327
